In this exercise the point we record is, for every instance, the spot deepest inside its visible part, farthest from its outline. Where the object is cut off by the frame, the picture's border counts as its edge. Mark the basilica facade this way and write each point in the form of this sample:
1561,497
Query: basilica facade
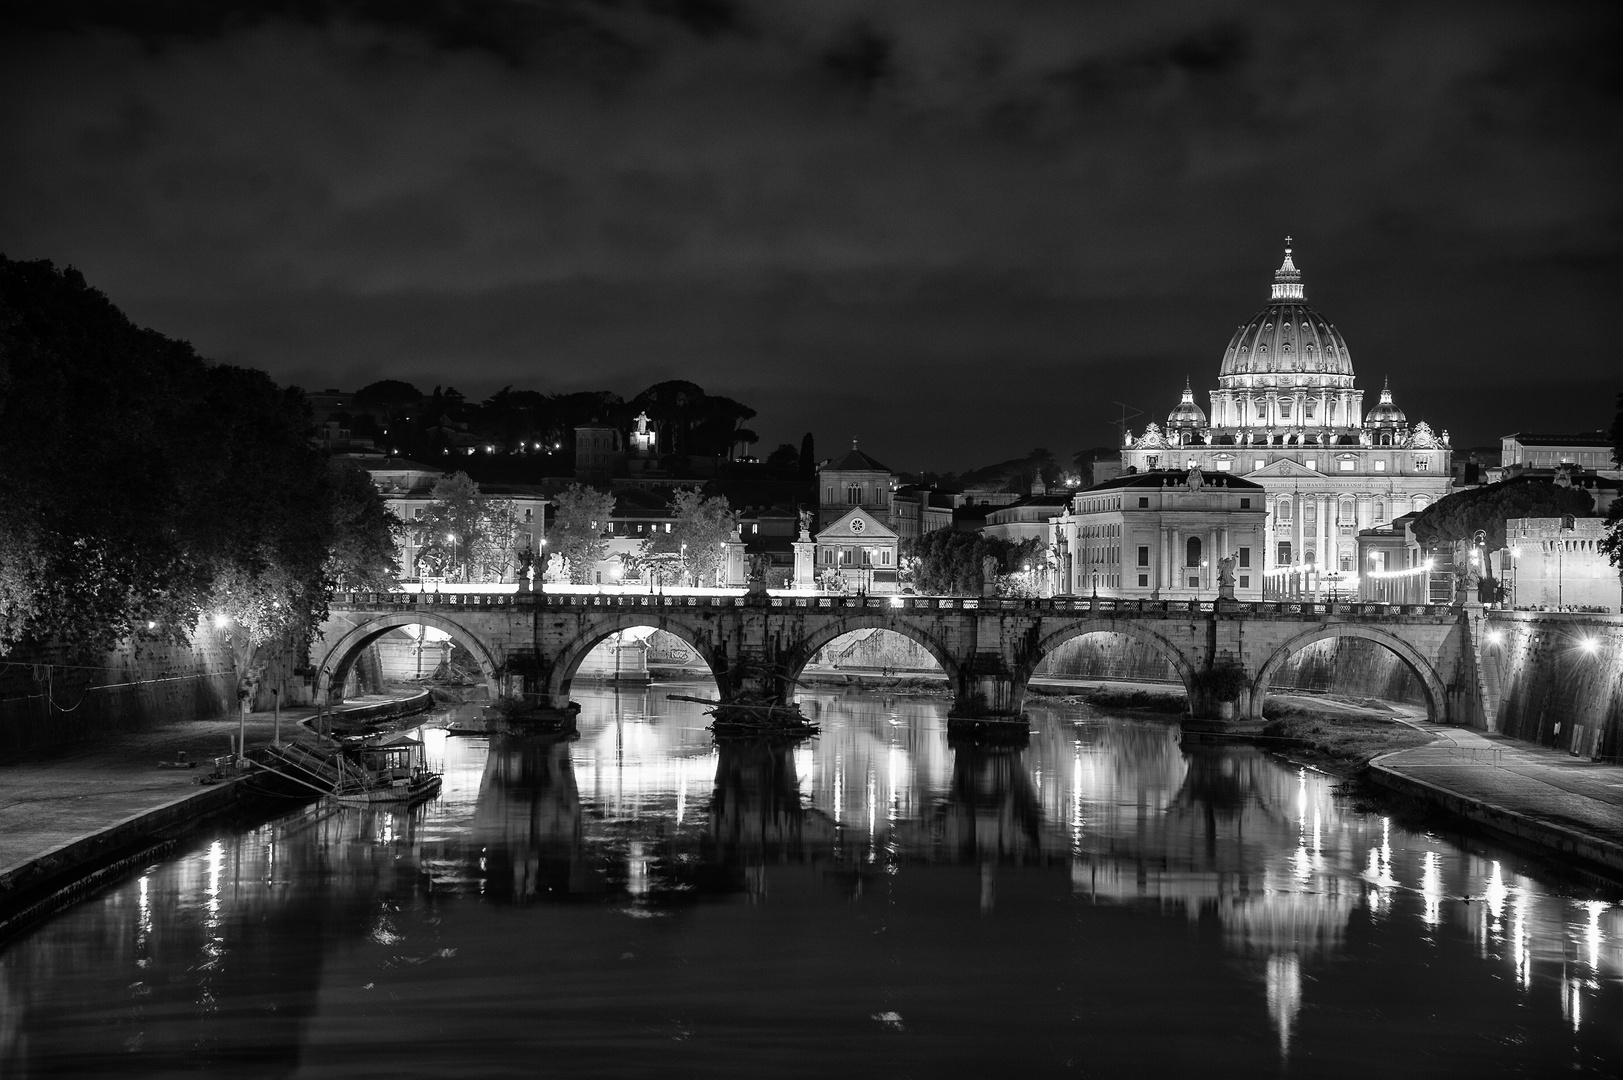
1288,415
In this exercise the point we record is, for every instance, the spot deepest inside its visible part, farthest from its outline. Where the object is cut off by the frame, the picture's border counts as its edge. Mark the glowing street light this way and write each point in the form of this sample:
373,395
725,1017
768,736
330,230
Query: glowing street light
1588,644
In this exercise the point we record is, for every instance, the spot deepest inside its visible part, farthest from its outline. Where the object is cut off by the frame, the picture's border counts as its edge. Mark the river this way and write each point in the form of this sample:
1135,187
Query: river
877,901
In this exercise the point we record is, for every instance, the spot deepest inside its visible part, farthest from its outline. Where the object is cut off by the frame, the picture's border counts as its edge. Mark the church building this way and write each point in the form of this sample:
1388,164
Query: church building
1289,416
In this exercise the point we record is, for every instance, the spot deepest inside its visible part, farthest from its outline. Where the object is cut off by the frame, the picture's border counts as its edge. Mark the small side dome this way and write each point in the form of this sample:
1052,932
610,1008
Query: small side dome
1186,414
1385,414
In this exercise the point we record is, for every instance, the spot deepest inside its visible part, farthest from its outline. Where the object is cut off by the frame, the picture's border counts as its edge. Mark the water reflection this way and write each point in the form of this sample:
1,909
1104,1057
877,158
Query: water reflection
890,871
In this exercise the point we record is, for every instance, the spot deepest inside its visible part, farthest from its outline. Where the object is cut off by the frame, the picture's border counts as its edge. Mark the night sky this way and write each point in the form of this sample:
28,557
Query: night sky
957,230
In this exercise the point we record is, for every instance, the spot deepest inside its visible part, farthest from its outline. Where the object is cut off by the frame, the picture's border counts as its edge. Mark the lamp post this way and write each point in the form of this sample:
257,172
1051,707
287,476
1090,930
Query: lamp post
682,561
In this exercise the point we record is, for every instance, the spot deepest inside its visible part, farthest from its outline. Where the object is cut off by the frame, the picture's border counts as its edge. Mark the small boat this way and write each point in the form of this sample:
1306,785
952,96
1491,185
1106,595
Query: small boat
387,770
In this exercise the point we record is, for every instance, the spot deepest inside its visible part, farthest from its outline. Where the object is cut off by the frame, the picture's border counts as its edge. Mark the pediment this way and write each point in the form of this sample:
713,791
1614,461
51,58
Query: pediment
846,527
1283,469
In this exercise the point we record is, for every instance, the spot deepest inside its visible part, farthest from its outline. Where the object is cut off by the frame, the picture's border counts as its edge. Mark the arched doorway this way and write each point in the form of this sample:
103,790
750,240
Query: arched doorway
1436,694
335,665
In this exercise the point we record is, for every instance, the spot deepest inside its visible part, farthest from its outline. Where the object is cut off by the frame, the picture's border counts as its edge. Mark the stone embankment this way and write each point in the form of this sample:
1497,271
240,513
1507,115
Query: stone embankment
1532,796
73,816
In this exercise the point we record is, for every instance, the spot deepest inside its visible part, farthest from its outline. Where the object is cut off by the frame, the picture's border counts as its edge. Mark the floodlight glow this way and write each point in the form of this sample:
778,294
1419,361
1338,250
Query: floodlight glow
221,622
1495,636
896,601
1588,645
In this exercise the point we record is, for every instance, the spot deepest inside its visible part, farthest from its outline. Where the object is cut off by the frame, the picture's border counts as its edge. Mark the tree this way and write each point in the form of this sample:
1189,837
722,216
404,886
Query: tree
808,457
1612,542
146,489
450,528
1457,518
365,533
951,563
576,534
784,462
703,524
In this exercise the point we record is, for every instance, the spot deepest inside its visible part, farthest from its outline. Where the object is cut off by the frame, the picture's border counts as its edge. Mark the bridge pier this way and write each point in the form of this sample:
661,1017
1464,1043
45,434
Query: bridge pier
987,688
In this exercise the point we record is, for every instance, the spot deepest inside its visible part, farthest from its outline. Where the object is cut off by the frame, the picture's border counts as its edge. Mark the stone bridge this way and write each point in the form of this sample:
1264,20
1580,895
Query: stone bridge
757,645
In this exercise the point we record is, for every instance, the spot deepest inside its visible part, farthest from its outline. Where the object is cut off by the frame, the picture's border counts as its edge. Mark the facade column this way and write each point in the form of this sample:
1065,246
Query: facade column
1213,553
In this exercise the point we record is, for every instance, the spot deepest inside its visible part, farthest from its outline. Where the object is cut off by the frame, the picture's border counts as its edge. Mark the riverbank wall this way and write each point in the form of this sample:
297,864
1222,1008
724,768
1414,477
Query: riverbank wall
1556,679
61,874
52,696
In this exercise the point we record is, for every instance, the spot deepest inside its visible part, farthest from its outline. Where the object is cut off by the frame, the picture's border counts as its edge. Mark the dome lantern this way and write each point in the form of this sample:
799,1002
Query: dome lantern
1287,279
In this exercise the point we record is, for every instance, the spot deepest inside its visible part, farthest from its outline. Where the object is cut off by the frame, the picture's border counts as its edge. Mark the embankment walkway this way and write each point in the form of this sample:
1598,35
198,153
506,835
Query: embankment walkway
66,807
1542,797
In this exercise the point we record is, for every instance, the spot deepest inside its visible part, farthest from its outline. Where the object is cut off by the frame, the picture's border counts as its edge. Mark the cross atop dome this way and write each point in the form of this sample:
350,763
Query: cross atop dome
1287,279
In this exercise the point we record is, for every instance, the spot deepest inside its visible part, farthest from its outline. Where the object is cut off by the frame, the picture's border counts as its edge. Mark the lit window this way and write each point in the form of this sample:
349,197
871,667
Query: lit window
1347,464
1312,463
1421,464
1223,465
1257,464
1380,466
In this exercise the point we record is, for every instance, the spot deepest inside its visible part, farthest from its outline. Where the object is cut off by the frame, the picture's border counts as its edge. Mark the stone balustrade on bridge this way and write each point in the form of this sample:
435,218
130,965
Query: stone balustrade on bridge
756,646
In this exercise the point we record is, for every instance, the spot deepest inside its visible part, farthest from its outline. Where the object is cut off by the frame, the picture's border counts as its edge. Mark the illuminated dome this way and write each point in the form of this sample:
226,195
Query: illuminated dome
1287,338
1187,413
1385,414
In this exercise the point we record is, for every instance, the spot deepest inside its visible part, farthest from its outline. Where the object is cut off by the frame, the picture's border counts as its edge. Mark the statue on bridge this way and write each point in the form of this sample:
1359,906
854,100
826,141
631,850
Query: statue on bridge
1225,576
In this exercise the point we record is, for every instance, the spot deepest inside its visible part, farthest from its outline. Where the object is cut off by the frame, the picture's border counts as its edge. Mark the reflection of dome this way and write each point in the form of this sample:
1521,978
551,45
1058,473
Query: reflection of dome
1385,413
1287,335
1187,413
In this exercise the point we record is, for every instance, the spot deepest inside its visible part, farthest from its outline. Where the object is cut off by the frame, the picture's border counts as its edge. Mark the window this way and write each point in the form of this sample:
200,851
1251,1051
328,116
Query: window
417,513
1143,581
1223,465
1347,513
1245,558
853,494
1191,552
1421,464
1143,555
884,557
1308,409
1380,466
1380,511
1194,582
1312,463
1284,513
1153,461
1257,464
529,515
1143,502
1284,553
828,556
1245,581
1347,464
1245,504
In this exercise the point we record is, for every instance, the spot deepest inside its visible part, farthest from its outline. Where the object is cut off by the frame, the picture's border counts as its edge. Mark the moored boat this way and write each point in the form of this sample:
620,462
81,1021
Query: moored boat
386,770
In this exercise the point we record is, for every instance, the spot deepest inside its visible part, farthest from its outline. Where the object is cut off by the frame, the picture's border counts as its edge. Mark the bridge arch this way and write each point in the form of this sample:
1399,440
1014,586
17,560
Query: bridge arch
813,643
1436,693
1181,664
335,665
574,651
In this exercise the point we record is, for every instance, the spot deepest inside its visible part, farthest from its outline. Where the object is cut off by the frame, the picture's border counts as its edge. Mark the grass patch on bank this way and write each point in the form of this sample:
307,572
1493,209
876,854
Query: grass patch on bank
1170,700
1339,740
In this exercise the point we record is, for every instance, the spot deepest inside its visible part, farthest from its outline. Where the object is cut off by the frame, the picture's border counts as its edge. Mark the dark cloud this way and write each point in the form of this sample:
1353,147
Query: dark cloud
958,227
